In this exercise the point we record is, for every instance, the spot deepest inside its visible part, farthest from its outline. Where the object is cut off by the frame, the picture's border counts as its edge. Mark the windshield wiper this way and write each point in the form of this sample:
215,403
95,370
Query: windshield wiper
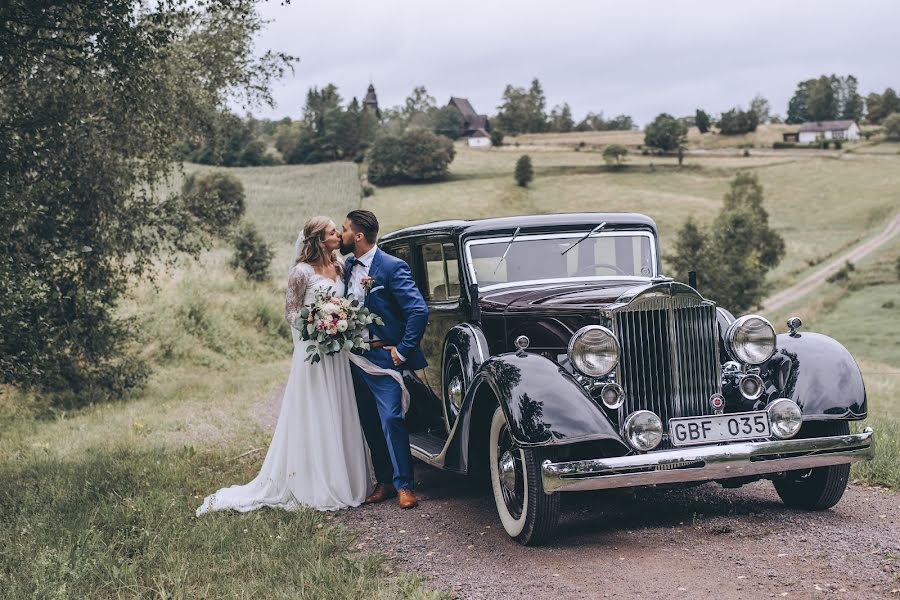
586,236
508,246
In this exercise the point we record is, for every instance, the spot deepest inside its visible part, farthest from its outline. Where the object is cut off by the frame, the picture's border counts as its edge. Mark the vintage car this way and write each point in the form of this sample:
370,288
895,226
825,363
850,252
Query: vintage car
561,359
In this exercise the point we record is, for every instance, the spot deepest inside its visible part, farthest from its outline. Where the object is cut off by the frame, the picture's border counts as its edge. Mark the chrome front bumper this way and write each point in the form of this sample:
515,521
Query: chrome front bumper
706,463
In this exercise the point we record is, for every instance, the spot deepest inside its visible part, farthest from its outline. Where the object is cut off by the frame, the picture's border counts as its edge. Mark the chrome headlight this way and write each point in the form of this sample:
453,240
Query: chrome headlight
750,340
594,351
785,418
643,430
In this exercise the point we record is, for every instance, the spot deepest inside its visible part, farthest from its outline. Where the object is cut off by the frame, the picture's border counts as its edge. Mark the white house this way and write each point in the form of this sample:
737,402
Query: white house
828,130
480,139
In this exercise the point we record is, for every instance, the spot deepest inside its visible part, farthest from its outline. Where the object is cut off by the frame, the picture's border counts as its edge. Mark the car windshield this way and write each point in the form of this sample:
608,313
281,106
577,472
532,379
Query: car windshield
540,257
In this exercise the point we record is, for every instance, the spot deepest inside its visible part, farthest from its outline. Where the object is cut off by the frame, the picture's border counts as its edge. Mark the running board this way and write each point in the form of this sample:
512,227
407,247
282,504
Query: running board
427,447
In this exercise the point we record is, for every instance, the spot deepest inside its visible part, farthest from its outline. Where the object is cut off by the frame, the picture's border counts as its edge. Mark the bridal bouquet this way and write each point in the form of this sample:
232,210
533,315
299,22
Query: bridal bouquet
332,323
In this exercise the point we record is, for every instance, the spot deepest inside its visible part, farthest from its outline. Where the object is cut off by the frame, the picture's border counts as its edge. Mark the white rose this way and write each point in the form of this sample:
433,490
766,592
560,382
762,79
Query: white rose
342,325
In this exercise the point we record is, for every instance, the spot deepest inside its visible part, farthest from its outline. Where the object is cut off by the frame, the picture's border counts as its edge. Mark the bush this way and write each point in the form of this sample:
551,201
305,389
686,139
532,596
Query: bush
216,199
737,121
614,154
497,138
892,126
524,171
746,152
783,145
838,144
417,155
824,144
251,253
368,190
665,132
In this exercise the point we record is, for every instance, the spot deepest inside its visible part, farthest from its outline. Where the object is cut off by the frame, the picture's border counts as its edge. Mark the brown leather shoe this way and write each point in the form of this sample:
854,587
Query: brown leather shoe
407,498
382,492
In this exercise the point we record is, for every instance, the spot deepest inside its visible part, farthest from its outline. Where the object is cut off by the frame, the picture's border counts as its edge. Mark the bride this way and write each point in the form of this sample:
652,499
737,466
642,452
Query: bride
317,457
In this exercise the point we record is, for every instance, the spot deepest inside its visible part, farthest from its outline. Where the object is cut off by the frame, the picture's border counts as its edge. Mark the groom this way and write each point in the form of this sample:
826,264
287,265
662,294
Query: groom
386,284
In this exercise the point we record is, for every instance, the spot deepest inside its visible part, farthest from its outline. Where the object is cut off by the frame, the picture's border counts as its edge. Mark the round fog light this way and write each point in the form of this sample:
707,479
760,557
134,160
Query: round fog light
752,386
643,430
785,418
612,395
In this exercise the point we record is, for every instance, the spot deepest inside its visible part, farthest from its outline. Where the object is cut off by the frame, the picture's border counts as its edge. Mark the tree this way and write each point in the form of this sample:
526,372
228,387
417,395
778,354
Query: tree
522,111
825,99
448,121
892,126
852,105
737,121
561,119
417,155
228,141
881,105
736,252
665,133
798,107
822,103
418,104
216,198
701,119
760,107
93,94
524,171
615,154
496,138
251,253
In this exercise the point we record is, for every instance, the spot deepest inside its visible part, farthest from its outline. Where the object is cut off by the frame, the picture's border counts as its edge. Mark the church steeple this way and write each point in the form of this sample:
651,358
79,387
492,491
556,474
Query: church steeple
371,101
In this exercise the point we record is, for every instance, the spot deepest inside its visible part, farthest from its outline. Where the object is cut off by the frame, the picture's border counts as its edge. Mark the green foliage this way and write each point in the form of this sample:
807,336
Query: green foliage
229,142
330,132
665,133
496,138
615,154
524,171
596,122
417,155
448,121
216,199
759,106
251,253
93,93
561,119
702,120
737,121
368,191
880,106
892,126
523,111
733,256
825,99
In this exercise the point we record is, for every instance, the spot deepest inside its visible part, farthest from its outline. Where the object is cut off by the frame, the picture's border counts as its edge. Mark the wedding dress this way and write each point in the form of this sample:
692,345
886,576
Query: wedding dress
318,456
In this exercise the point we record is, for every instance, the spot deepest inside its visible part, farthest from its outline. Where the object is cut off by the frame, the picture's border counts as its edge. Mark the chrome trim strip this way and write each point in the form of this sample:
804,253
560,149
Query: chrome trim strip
706,463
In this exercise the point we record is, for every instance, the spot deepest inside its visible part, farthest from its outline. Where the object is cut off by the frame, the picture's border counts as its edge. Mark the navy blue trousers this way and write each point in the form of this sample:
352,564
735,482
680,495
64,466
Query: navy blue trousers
378,399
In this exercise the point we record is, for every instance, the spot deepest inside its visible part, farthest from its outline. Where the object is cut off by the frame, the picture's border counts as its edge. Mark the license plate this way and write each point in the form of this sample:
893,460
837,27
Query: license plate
689,431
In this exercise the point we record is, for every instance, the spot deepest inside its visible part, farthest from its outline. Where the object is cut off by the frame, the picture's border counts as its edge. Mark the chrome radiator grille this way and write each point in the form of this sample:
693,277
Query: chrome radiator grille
669,362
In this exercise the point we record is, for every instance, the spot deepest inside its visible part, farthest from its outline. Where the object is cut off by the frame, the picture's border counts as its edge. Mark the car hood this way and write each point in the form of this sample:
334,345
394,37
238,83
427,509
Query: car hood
561,296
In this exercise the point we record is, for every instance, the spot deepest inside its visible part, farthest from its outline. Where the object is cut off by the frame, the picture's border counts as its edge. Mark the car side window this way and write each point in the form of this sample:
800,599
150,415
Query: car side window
441,271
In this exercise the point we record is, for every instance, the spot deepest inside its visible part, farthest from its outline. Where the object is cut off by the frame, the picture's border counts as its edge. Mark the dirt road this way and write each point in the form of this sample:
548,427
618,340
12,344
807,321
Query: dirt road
704,542
809,283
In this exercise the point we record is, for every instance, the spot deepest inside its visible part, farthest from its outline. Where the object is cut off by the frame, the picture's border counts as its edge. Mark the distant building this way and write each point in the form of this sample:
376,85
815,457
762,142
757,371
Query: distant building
371,101
479,139
828,130
791,136
472,122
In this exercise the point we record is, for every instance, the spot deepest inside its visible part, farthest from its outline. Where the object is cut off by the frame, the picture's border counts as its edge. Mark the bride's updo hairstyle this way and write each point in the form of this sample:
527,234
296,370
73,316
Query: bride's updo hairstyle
313,250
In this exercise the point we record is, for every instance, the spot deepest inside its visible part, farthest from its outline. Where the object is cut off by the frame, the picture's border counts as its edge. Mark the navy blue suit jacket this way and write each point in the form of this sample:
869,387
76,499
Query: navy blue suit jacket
395,298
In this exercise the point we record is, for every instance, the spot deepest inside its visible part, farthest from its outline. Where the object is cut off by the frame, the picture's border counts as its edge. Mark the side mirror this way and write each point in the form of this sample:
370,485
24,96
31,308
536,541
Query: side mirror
473,302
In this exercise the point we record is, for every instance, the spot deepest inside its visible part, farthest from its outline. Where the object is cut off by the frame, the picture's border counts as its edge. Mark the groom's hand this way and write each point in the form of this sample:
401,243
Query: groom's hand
395,356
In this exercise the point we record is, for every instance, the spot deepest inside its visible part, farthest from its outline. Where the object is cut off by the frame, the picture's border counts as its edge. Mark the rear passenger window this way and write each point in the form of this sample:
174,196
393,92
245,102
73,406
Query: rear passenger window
441,270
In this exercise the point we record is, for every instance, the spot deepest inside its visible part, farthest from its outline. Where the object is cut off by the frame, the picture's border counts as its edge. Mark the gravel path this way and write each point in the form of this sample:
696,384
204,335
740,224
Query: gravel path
809,283
704,542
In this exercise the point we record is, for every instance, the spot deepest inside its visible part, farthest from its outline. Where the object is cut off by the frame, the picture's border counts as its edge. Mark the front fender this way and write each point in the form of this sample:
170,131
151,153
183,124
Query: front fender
819,374
543,403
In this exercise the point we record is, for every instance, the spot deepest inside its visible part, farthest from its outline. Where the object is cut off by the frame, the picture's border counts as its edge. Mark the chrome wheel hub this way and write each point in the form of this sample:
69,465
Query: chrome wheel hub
507,467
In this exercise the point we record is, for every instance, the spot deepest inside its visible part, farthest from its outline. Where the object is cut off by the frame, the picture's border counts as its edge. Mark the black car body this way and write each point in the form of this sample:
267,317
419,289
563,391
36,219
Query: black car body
560,359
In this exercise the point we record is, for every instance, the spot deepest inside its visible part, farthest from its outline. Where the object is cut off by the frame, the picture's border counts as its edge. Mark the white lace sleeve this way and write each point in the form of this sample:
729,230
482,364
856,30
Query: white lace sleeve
296,290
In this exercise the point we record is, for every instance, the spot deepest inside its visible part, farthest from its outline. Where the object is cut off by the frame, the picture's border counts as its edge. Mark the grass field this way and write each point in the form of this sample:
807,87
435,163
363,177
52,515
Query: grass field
99,503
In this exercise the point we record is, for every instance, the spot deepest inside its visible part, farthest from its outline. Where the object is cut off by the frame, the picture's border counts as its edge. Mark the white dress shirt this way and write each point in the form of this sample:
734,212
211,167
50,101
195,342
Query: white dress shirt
355,285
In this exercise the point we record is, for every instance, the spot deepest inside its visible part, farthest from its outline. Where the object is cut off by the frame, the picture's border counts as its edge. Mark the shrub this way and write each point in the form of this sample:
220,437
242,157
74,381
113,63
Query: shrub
251,253
417,155
888,304
783,145
746,152
216,199
614,154
665,132
496,138
838,144
737,121
524,171
368,190
892,126
824,144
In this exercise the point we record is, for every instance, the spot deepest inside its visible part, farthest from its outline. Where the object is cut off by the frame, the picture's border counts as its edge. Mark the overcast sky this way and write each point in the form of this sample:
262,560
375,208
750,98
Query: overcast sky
638,58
